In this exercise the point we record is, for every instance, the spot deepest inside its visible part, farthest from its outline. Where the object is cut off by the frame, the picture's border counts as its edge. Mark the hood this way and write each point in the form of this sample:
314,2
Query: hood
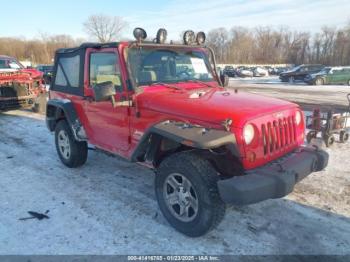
211,105
288,71
8,70
33,72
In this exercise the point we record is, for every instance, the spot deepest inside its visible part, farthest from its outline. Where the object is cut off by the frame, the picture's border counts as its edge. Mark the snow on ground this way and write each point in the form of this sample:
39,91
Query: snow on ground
307,95
108,206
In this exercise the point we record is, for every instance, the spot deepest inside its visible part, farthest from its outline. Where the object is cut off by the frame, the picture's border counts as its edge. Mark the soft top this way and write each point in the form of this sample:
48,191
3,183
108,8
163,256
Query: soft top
87,45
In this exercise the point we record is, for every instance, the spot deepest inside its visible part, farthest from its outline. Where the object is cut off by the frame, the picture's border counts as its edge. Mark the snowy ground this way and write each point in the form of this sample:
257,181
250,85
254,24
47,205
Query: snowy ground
108,206
308,96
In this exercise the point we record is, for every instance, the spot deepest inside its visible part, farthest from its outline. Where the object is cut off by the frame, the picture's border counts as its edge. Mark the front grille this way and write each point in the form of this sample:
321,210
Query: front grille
278,135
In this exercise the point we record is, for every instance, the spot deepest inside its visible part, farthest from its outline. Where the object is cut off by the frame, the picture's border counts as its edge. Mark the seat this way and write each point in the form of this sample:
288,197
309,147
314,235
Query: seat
147,76
115,79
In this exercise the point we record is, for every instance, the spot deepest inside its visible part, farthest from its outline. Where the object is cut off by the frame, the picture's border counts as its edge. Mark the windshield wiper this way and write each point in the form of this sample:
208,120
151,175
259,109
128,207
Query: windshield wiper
200,82
166,85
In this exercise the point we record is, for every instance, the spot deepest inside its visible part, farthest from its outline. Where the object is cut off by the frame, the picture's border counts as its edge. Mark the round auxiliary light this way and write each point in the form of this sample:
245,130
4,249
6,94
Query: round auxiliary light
139,34
200,39
161,36
189,37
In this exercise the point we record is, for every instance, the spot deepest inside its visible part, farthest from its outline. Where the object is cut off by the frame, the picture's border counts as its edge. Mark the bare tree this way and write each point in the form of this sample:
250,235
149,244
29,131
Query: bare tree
104,28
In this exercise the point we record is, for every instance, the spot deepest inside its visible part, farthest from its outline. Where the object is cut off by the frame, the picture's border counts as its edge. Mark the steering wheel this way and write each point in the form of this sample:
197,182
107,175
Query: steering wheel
185,71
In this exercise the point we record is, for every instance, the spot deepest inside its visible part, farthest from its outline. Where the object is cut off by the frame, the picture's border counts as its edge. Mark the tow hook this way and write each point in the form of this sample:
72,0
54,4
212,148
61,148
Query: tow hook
227,124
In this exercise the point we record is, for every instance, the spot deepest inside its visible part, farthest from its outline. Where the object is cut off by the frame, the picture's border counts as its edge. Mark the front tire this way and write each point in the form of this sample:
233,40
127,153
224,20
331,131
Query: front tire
319,82
310,135
329,140
71,152
187,194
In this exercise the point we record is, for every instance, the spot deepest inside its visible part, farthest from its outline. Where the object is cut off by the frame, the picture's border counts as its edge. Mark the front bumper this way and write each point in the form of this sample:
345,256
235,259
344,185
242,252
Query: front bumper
274,180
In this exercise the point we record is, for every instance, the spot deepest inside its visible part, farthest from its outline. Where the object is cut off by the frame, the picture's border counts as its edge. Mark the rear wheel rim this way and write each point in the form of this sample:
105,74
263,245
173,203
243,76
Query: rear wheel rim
63,144
180,197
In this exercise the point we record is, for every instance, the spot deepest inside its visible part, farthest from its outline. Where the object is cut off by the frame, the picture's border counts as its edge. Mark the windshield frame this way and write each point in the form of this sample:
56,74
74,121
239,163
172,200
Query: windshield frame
208,53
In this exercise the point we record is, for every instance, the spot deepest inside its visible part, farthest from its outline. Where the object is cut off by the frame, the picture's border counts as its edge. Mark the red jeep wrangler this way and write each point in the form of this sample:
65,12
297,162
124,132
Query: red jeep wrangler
164,105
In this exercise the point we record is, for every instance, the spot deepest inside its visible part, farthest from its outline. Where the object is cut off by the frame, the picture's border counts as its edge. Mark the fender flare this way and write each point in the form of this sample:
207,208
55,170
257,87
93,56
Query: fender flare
56,108
190,135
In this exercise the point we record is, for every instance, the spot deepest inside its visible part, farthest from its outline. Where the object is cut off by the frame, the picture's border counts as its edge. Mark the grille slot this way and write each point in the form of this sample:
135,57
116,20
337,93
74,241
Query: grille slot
278,134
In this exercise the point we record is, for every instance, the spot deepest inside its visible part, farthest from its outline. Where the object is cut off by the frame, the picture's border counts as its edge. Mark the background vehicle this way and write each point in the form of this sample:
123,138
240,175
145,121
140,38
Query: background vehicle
300,72
20,90
47,72
165,107
11,64
229,71
244,72
329,124
260,71
330,75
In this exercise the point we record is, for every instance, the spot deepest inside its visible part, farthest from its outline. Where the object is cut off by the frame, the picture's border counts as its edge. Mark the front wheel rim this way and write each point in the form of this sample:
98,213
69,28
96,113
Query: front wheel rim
180,197
63,144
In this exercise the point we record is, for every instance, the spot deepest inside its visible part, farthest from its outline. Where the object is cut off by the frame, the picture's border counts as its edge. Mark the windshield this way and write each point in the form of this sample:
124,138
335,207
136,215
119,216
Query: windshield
9,64
153,65
325,70
296,68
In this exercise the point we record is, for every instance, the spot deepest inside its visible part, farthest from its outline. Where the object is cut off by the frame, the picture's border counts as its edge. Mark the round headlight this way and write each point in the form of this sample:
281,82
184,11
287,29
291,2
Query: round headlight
298,117
248,133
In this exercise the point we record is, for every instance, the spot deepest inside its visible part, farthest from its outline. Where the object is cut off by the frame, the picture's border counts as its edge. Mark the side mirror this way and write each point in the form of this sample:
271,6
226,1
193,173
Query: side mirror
104,91
224,80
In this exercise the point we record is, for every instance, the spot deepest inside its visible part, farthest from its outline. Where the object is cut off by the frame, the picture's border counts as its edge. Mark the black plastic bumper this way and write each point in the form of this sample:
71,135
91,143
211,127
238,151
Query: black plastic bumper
274,180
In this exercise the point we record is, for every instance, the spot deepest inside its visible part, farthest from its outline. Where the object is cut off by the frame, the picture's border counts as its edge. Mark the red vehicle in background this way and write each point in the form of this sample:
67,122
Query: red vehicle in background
20,87
164,106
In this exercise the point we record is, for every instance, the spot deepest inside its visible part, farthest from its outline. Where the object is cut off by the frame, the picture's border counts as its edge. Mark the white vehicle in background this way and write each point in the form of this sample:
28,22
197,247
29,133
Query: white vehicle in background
260,71
245,72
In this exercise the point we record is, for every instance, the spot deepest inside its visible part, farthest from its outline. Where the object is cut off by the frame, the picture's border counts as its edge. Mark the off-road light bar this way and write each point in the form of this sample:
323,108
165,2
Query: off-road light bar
161,36
140,34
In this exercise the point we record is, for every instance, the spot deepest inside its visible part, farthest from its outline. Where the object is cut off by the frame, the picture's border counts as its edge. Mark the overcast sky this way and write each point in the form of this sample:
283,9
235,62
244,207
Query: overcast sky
28,18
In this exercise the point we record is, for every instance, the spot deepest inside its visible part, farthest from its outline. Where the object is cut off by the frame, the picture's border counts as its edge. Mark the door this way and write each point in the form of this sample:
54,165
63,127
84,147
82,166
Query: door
335,77
107,125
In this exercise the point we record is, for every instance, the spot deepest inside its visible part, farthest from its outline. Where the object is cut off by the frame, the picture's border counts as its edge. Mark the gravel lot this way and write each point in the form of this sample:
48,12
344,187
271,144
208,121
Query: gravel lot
108,206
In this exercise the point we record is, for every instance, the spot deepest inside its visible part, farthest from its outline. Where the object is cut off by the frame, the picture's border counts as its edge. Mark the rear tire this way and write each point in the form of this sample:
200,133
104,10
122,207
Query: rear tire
194,211
71,152
344,136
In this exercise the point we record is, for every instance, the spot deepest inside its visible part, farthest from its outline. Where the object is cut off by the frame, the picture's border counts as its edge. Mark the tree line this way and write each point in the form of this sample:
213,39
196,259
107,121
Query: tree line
265,45
38,51
238,45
